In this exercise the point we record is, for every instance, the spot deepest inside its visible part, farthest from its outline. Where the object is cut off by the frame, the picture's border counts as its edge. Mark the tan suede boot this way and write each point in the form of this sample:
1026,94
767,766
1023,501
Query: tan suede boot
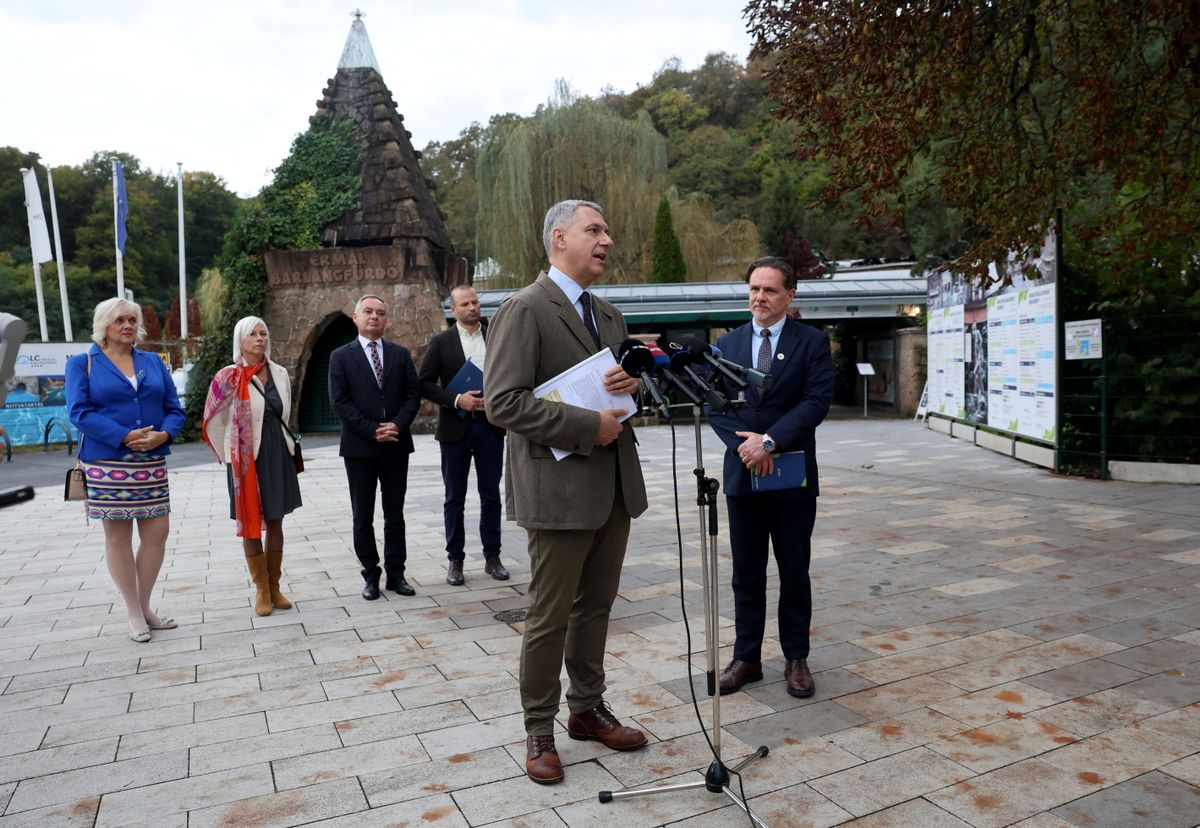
257,564
275,569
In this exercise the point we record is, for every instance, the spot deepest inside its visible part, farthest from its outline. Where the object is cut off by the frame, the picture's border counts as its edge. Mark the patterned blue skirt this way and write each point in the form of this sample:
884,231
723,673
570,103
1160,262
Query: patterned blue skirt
132,487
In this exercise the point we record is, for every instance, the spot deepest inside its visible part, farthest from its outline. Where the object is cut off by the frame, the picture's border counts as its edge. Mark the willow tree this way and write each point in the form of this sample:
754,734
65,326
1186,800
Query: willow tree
571,148
715,251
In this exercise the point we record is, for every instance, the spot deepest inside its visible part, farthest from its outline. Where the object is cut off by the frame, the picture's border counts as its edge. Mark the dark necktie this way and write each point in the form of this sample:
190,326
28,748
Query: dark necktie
764,353
375,363
586,300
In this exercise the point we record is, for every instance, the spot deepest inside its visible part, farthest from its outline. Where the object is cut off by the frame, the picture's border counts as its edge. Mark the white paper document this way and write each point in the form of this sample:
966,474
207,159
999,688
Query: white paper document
583,385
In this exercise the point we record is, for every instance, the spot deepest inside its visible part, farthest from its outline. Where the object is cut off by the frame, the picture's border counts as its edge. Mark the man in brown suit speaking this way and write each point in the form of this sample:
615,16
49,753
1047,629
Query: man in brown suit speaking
577,510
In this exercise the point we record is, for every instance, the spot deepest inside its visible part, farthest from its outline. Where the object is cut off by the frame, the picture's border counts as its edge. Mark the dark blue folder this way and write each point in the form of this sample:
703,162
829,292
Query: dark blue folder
468,378
790,473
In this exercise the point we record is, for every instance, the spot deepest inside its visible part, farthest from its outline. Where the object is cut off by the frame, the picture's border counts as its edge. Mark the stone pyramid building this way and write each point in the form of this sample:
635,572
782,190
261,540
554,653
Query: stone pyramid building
391,243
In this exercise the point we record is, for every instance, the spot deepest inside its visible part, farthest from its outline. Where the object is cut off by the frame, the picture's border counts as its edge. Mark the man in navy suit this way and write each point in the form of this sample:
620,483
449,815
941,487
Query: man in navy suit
463,432
374,392
783,418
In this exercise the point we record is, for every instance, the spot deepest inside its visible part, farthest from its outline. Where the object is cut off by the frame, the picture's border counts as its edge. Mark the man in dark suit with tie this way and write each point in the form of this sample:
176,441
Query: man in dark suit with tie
374,391
463,432
576,511
783,418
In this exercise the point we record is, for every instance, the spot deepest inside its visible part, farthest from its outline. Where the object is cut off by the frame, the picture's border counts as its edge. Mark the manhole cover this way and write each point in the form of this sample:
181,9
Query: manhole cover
511,615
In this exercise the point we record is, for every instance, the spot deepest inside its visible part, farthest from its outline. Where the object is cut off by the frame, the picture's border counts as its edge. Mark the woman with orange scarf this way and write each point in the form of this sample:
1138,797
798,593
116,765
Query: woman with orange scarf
244,415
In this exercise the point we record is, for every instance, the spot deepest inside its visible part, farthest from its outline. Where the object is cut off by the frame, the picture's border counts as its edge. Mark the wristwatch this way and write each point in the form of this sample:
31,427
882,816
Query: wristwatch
768,444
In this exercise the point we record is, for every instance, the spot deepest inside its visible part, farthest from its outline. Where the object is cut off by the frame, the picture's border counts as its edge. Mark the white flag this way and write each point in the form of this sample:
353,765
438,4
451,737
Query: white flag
39,237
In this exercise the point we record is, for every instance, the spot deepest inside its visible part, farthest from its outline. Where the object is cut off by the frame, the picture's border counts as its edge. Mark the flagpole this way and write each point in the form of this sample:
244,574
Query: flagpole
58,257
39,242
117,236
183,329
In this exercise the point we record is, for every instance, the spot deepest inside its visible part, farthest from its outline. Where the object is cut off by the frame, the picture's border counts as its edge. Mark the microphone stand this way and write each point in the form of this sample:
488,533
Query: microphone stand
717,776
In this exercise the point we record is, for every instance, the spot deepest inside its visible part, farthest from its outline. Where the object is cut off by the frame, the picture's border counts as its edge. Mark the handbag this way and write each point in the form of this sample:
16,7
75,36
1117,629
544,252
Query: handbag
297,456
75,488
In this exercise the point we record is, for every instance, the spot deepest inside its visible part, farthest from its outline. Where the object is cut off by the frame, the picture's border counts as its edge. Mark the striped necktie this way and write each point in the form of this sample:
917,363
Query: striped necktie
375,363
764,353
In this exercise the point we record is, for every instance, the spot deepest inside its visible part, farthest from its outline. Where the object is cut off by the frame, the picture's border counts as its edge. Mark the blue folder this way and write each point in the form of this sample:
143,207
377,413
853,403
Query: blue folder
468,378
790,473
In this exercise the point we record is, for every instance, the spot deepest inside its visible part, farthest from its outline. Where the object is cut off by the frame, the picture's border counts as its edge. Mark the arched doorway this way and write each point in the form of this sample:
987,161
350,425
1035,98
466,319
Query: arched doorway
316,414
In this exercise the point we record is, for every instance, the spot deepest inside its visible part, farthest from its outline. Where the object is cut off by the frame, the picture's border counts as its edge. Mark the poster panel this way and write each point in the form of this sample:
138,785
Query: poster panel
993,352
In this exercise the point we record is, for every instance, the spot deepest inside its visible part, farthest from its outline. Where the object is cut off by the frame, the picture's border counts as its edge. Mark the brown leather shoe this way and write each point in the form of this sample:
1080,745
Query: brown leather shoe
493,567
542,764
601,725
799,680
454,576
739,673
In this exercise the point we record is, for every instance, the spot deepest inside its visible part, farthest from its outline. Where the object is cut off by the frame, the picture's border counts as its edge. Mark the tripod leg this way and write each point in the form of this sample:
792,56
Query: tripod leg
762,751
737,800
609,796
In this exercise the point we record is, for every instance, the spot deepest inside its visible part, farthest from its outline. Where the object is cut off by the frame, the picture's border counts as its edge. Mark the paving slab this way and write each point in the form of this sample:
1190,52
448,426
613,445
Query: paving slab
992,644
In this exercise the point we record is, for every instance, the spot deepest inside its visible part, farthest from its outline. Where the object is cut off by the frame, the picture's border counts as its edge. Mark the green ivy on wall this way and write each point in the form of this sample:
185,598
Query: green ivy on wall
318,182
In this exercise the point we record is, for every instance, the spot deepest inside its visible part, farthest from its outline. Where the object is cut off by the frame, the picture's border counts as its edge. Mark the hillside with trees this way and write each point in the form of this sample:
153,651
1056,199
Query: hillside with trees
83,195
705,139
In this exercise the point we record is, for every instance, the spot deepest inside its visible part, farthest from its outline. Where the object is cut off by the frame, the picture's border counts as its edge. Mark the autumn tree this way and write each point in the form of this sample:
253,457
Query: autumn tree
1019,107
450,165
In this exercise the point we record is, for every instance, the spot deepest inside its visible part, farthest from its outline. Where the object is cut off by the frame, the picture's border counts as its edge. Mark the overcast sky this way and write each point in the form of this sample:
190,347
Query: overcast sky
224,86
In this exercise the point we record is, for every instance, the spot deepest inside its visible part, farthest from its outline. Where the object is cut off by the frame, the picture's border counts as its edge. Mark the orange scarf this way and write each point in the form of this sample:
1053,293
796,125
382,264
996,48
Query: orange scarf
231,387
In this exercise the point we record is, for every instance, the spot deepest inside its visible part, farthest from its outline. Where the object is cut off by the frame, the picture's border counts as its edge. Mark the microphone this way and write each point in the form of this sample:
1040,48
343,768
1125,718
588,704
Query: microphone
711,355
638,361
682,360
728,368
662,368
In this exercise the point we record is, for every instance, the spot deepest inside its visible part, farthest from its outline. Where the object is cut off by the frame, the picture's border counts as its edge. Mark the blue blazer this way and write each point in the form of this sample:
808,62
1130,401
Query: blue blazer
790,411
105,407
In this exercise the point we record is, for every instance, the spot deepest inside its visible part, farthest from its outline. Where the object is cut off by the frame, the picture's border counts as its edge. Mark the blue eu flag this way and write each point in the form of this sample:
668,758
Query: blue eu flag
122,204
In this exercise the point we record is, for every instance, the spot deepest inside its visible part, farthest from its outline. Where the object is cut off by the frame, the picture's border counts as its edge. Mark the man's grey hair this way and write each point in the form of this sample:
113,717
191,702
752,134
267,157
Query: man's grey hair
560,216
107,312
365,297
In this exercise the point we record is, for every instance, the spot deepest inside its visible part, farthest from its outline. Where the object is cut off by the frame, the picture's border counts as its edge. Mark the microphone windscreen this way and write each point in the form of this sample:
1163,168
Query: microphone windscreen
681,359
626,345
661,360
697,348
636,359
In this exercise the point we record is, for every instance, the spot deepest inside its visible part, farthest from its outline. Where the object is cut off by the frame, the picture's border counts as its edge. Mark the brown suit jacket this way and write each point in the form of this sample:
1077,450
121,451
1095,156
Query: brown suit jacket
534,336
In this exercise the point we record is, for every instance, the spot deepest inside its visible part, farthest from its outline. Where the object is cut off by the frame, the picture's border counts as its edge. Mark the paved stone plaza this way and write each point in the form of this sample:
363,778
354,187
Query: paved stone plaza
994,645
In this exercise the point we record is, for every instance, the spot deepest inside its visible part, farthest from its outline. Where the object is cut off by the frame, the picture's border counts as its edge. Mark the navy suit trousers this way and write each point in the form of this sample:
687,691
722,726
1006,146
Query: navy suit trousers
487,448
785,525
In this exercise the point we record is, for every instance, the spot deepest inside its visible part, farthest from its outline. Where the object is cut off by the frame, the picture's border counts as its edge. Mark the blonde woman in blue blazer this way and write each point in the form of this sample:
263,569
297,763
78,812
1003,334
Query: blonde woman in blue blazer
124,404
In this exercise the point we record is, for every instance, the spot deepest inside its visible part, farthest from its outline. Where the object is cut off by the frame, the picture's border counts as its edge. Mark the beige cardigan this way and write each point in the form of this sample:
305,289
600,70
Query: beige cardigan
218,427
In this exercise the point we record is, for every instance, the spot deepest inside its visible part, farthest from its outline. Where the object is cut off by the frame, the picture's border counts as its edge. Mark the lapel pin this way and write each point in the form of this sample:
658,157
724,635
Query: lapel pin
779,356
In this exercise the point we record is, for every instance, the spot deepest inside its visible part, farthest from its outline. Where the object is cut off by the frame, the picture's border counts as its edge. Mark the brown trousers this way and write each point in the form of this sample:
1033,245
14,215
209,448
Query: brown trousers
576,574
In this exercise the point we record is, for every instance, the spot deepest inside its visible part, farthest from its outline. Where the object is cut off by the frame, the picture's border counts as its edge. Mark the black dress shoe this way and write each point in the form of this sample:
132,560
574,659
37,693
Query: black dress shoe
371,590
493,567
454,576
400,586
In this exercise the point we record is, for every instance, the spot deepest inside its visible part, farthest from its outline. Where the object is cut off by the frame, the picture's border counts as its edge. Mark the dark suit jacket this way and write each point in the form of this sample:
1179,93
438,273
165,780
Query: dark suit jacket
361,405
536,335
105,407
443,357
790,411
